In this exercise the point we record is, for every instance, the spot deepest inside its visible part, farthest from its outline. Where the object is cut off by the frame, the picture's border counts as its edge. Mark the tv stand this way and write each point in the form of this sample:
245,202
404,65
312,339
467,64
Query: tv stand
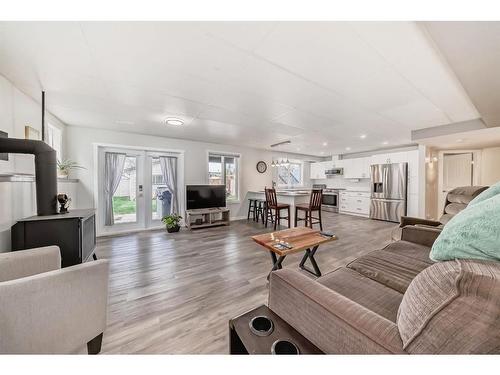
207,217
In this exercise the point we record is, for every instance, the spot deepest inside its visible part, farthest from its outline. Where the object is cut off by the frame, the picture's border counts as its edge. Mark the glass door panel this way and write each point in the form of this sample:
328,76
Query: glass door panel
125,196
160,196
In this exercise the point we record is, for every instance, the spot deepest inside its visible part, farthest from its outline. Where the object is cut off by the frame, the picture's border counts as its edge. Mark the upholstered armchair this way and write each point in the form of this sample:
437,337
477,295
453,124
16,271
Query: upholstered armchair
456,200
45,309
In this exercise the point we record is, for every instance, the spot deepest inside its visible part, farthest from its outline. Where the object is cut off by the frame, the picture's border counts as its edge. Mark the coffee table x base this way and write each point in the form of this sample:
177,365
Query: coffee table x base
277,262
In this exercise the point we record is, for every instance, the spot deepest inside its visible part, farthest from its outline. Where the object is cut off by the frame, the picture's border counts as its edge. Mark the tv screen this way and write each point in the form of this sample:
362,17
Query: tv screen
205,196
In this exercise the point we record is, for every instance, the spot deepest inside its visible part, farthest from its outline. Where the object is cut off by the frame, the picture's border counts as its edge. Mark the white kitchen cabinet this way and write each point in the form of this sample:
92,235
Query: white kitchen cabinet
357,168
317,171
355,203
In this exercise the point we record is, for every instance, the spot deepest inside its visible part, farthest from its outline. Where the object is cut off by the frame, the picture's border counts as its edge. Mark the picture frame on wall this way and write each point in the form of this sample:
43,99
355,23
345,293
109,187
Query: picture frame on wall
31,133
4,156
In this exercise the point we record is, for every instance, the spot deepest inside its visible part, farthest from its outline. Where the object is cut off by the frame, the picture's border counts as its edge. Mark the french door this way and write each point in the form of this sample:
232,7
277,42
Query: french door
141,198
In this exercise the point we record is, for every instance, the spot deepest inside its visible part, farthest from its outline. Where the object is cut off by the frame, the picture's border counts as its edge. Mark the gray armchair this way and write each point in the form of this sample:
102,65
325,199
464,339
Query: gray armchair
45,309
456,200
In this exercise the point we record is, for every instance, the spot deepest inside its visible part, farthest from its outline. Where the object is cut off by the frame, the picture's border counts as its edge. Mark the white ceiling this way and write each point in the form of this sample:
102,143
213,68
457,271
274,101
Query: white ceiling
472,48
242,83
489,137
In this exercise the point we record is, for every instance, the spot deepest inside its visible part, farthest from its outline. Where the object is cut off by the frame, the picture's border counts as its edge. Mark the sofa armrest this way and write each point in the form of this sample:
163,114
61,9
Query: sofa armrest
17,264
420,235
408,220
332,322
54,312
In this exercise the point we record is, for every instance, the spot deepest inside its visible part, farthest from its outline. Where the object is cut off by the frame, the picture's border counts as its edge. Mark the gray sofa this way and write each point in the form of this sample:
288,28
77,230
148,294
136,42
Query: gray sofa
456,201
395,300
48,310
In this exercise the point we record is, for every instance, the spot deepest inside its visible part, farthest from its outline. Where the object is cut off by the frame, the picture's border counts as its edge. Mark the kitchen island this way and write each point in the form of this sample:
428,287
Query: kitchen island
291,197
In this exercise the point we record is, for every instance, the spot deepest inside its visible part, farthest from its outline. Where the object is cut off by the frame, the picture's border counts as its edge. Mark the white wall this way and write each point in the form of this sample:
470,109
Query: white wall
490,162
80,149
17,199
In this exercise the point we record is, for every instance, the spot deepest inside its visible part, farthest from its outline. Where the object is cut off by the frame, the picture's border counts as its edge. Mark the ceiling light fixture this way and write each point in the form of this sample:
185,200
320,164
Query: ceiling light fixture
174,121
348,148
362,136
460,140
325,143
385,143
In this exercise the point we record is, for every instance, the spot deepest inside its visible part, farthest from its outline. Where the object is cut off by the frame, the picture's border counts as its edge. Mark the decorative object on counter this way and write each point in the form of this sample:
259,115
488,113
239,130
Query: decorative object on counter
64,202
65,166
4,156
31,133
261,167
172,222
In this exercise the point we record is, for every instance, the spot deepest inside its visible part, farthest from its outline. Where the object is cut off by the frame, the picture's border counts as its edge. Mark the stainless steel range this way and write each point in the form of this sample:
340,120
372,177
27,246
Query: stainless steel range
330,198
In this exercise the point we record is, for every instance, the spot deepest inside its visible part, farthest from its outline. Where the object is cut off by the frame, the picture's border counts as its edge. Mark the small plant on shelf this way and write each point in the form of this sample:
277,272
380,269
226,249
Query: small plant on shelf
172,222
65,166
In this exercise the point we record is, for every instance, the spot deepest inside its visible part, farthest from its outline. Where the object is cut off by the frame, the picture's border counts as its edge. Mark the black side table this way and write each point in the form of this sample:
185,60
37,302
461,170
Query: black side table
261,331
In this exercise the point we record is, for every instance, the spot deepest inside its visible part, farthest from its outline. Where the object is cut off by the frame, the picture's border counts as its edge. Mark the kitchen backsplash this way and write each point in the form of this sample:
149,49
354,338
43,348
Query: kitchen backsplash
341,182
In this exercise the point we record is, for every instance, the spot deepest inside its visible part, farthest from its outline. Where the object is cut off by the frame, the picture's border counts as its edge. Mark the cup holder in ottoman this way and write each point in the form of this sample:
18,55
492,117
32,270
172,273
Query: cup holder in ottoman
261,326
284,347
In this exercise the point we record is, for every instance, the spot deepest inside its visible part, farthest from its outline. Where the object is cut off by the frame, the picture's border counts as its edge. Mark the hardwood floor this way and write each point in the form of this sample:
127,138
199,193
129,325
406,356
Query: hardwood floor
174,293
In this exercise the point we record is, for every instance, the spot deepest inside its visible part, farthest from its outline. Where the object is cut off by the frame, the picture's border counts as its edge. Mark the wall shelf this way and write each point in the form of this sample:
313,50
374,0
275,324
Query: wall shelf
26,177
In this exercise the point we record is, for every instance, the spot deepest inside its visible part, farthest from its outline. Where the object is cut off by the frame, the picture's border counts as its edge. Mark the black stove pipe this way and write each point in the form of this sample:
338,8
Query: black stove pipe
45,170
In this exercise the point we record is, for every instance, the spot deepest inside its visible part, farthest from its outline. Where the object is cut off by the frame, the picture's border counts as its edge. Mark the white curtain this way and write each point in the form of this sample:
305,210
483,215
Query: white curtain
168,166
113,169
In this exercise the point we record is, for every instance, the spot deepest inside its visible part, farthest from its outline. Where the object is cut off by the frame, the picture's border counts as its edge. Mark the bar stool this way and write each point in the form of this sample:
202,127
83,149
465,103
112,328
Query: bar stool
272,204
252,208
261,209
314,205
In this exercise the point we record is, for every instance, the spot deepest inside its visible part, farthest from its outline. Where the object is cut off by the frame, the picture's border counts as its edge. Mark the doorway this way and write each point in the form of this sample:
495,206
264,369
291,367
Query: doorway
133,193
456,168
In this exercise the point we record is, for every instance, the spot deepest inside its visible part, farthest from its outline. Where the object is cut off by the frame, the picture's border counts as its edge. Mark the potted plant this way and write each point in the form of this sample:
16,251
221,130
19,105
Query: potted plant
65,166
172,222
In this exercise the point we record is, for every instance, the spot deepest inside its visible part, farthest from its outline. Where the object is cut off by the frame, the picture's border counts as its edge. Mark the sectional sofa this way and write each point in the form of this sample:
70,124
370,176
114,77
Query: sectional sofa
395,300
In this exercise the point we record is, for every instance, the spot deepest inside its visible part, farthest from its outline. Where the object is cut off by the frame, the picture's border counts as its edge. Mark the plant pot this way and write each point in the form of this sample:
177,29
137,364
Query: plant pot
62,174
173,229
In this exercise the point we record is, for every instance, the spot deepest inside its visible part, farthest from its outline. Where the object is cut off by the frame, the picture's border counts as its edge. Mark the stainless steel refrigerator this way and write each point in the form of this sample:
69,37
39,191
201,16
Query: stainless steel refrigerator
388,191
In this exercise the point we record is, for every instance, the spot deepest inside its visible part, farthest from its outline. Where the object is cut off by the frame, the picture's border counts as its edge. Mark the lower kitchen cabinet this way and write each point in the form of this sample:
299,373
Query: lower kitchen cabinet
355,203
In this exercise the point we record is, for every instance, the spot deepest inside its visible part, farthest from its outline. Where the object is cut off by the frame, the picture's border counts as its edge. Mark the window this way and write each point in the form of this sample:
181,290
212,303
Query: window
290,175
223,170
54,139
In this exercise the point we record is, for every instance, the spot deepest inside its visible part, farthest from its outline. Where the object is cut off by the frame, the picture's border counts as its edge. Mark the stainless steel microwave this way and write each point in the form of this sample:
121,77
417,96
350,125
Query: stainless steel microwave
334,172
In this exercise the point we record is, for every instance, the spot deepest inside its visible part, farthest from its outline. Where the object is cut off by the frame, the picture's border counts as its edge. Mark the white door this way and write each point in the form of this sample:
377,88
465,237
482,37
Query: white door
458,170
142,197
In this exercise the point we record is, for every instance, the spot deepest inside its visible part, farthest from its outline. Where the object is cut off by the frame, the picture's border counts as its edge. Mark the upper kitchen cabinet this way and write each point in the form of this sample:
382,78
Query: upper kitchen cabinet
356,168
317,171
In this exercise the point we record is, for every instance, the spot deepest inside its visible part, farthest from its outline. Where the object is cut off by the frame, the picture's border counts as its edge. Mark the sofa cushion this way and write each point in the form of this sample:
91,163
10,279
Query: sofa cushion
472,234
454,208
395,266
374,296
452,307
465,194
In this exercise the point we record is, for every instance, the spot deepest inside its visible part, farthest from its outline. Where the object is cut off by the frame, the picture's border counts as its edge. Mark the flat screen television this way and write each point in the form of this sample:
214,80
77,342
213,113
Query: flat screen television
205,196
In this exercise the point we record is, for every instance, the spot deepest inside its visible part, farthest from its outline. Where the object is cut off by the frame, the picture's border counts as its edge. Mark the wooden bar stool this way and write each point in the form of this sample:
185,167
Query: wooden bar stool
261,209
314,205
272,204
252,208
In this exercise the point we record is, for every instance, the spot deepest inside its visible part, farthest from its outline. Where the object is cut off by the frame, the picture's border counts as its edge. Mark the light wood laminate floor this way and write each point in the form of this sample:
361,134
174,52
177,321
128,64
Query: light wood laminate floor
174,293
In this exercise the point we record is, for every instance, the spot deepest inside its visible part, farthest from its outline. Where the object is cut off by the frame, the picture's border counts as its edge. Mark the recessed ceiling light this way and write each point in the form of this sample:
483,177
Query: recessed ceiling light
348,148
385,143
298,148
174,121
325,143
322,152
362,136
459,140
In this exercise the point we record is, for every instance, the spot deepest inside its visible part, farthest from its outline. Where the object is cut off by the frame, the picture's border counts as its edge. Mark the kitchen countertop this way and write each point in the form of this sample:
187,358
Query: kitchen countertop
300,193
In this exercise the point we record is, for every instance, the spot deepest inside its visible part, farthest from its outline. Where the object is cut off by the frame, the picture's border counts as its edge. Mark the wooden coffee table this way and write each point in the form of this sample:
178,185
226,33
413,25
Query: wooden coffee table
299,239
